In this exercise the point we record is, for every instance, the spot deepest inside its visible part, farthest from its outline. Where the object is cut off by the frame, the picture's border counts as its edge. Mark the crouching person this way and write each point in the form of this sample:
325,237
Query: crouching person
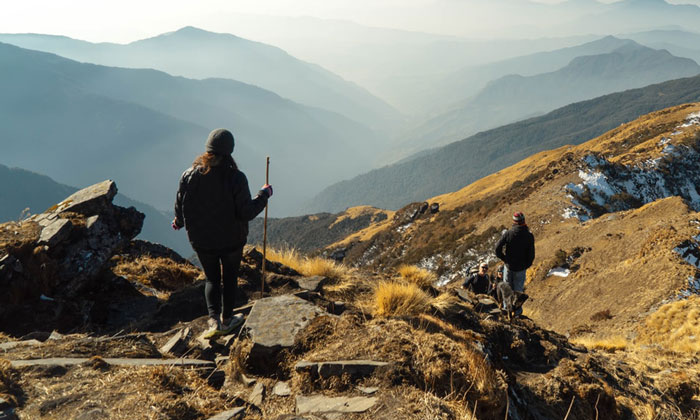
214,205
479,282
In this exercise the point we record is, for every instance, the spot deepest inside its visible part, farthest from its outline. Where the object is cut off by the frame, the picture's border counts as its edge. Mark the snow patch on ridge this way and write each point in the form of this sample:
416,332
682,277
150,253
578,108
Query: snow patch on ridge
607,187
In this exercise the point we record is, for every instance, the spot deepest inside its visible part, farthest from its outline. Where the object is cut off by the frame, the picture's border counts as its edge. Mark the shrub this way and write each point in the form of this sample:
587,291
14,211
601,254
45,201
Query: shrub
399,299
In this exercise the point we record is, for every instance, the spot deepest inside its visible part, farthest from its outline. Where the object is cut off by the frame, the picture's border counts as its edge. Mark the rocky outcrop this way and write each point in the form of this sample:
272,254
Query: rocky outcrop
57,255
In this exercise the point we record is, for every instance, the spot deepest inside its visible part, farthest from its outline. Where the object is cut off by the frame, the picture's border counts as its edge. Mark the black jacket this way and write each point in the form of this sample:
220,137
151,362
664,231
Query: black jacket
215,208
478,283
516,248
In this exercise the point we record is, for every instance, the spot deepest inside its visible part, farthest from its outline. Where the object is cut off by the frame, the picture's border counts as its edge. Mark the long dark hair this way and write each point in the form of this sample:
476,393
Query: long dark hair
207,160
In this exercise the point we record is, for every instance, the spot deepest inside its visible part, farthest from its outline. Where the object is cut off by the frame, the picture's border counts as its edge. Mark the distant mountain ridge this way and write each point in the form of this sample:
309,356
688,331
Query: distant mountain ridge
452,167
195,53
516,97
151,126
462,84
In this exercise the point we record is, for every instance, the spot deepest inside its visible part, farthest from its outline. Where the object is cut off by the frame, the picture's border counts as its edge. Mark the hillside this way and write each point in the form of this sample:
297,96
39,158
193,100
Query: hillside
310,232
516,96
97,325
199,54
153,125
615,216
452,167
21,189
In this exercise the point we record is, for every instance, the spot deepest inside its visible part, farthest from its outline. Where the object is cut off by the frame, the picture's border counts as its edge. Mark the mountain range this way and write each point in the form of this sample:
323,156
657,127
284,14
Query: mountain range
199,54
514,97
79,122
453,166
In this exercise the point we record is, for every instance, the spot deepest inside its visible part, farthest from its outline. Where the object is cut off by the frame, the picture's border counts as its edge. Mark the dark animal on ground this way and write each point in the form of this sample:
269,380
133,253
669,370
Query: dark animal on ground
509,301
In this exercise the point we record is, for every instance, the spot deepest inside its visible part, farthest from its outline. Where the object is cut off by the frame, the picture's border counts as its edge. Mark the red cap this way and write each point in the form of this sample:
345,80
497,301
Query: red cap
518,218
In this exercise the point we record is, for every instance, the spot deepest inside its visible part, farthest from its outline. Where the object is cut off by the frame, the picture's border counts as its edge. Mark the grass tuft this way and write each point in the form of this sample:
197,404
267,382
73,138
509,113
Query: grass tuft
309,266
399,299
157,272
418,276
611,344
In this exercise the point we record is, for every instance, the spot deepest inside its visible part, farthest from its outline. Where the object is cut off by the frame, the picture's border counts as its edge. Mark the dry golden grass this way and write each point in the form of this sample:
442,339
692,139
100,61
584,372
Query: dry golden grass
675,326
612,343
355,212
157,272
126,393
415,275
446,303
309,266
399,299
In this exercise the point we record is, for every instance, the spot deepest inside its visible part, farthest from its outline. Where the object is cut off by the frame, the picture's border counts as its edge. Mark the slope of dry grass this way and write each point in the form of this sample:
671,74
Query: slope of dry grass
674,326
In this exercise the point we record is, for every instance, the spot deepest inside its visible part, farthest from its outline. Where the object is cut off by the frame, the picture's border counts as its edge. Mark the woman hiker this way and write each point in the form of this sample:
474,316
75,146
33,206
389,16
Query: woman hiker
214,205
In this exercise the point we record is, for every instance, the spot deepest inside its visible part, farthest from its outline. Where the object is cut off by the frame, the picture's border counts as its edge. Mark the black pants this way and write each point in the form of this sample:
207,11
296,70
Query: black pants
220,293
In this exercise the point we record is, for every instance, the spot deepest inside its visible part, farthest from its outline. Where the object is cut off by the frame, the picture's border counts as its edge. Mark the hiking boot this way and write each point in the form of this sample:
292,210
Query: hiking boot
228,324
214,328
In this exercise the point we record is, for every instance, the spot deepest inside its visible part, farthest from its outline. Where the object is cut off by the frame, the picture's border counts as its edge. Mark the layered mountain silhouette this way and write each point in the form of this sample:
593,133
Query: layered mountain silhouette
451,167
21,189
515,97
79,122
466,82
195,53
677,42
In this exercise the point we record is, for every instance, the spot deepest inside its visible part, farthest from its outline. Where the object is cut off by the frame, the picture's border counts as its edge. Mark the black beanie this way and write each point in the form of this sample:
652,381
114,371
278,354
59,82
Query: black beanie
220,142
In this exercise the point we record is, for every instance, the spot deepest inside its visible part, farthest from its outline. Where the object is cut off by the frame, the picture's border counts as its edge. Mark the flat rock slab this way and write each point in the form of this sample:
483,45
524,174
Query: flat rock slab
275,321
339,367
12,344
70,361
177,345
282,389
312,284
328,405
273,325
90,199
55,232
236,413
257,395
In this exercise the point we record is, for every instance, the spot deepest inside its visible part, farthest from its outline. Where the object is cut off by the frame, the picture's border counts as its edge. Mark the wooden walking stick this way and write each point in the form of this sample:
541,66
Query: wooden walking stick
262,279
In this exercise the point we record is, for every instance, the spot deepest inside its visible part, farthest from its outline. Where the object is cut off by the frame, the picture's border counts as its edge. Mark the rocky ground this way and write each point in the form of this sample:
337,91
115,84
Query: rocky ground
96,325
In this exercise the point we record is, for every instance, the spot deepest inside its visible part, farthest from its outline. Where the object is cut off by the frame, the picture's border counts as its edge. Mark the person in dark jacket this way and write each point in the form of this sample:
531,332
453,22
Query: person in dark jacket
517,250
479,282
214,205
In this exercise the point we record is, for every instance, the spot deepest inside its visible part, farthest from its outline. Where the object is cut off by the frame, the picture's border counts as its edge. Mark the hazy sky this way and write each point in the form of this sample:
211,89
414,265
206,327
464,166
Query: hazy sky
128,20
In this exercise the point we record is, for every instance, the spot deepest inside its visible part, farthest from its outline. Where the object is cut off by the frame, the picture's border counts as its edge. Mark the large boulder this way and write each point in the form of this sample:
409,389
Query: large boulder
57,255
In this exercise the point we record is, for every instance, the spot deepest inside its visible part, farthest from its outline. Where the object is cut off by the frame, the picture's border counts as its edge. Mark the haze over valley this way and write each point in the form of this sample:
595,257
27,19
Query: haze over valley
405,137
360,97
